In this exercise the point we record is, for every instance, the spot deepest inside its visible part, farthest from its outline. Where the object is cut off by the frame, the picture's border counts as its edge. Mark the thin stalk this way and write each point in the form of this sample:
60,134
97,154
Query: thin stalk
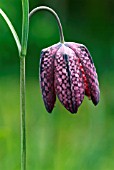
23,112
25,26
24,41
55,15
16,38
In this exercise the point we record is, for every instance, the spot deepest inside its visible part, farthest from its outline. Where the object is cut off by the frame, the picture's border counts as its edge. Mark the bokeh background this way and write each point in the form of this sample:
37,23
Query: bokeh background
58,141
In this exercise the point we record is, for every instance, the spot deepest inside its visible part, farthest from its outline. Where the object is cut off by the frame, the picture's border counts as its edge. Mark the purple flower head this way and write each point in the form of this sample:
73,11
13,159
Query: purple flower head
67,70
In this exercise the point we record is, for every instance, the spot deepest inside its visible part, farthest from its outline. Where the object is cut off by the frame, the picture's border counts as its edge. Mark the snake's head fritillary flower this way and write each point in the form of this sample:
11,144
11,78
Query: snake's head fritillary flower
67,70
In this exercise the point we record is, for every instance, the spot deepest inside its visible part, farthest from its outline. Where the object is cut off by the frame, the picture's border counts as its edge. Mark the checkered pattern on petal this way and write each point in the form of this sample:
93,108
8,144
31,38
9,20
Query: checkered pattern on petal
68,71
88,71
47,76
69,85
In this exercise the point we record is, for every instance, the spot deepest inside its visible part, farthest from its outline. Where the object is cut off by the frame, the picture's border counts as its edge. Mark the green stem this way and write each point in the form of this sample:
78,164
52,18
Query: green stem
23,112
16,38
25,26
55,15
24,41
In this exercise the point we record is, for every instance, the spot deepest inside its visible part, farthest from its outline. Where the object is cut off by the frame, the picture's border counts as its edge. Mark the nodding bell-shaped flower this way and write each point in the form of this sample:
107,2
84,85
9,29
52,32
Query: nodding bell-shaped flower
67,70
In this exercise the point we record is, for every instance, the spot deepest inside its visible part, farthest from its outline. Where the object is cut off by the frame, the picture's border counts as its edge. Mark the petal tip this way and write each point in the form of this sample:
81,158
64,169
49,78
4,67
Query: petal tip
48,107
95,99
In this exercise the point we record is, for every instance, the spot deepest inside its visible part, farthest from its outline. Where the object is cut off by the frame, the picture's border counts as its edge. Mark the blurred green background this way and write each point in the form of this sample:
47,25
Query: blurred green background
58,141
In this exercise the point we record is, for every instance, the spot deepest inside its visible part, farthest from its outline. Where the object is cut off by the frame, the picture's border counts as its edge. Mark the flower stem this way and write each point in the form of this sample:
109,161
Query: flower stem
24,40
55,15
25,26
23,112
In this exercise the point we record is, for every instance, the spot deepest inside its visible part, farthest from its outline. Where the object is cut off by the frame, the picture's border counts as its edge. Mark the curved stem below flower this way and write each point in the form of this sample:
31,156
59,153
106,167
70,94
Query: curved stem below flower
55,15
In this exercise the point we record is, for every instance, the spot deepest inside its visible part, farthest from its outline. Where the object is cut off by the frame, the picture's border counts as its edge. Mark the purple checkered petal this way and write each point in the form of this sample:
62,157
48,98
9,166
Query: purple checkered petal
69,84
47,76
67,70
88,70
